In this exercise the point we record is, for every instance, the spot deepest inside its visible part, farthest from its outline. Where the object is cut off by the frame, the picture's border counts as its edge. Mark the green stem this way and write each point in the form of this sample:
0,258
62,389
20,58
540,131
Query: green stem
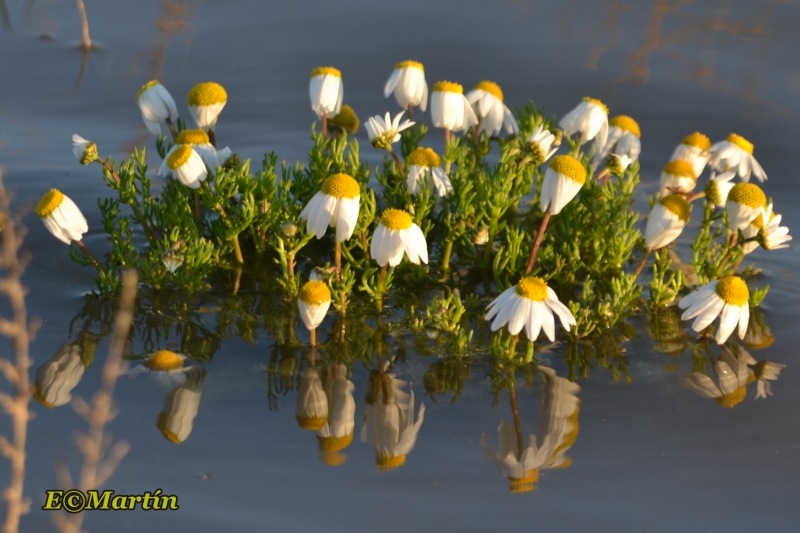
448,250
88,254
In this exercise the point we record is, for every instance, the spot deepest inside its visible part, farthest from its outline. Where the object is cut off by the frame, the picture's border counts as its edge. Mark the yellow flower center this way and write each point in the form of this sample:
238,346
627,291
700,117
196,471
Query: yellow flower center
729,400
677,205
164,361
315,293
312,423
698,140
733,290
89,154
597,103
748,194
670,368
526,483
409,63
208,93
626,123
321,71
333,459
341,186
334,444
741,142
389,462
680,169
712,192
49,203
491,88
346,119
532,289
424,157
146,86
396,219
569,167
192,137
179,157
161,423
448,87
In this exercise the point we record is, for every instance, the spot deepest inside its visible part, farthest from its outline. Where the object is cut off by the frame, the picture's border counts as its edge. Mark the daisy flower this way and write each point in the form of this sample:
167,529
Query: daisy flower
718,188
176,419
736,153
589,120
311,405
772,236
326,91
336,205
337,432
623,140
165,366
206,101
745,202
62,217
424,163
157,106
529,304
313,300
396,233
199,142
486,99
563,180
449,107
694,150
383,132
542,144
667,220
408,84
732,374
678,175
727,298
186,165
764,371
85,151
56,378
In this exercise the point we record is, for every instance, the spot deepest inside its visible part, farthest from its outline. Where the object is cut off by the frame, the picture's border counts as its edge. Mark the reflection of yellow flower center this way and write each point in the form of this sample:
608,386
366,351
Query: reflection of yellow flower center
161,423
409,63
741,142
491,88
677,205
314,293
698,140
532,289
448,87
670,368
341,186
569,167
326,70
192,137
346,119
37,395
313,423
334,444
164,361
145,87
49,203
208,93
179,157
733,290
424,157
526,483
748,194
626,123
597,103
729,400
680,169
396,219
389,462
333,459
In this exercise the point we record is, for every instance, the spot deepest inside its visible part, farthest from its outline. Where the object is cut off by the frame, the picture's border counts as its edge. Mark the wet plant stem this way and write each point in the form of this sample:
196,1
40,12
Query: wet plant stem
313,343
512,397
410,112
537,242
86,41
512,349
641,264
325,125
448,251
89,255
338,259
381,280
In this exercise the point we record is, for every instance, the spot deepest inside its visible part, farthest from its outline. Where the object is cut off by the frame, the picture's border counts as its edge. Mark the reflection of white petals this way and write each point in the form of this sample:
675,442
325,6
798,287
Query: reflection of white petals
311,404
56,378
732,379
176,420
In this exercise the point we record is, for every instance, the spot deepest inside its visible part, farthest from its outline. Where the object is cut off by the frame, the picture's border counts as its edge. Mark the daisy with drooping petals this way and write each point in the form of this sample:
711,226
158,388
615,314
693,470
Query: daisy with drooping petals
383,132
694,150
736,153
313,300
764,371
176,419
56,378
165,366
326,91
85,151
450,109
542,145
745,202
206,101
186,165
408,84
521,467
157,106
199,142
623,140
62,217
529,304
771,235
589,120
563,179
424,163
486,99
311,405
678,175
337,432
667,220
397,234
732,374
336,205
718,187
728,298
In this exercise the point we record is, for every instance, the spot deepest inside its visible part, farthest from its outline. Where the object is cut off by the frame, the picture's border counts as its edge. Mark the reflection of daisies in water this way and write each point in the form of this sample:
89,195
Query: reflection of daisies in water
732,374
165,366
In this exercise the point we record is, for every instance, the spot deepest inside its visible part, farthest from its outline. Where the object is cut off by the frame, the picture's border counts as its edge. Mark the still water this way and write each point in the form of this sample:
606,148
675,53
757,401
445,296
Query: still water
644,456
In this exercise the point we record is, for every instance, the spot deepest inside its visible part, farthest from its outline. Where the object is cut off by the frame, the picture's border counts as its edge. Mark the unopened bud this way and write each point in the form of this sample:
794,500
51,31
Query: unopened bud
288,229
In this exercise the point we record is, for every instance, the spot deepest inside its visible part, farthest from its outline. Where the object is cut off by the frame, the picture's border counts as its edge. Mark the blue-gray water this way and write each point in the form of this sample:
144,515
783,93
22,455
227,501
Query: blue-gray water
650,456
